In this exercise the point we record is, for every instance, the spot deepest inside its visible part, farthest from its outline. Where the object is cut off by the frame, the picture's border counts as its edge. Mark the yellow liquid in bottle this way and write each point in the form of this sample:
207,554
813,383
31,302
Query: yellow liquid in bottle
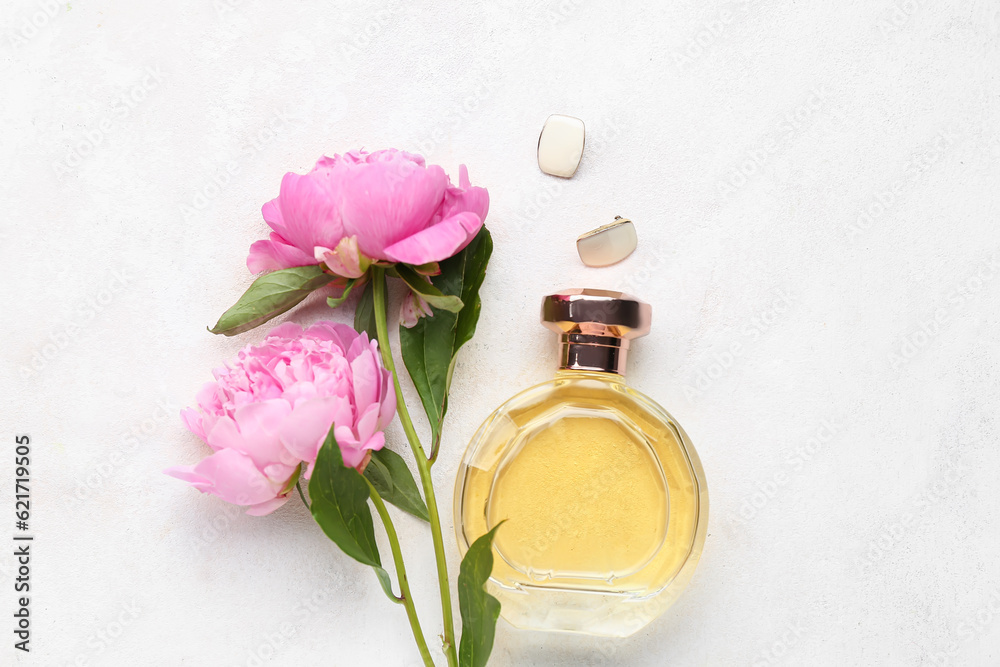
571,514
597,491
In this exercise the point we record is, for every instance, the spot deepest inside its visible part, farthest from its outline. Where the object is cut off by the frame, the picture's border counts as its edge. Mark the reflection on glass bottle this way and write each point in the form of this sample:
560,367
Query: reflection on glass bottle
604,497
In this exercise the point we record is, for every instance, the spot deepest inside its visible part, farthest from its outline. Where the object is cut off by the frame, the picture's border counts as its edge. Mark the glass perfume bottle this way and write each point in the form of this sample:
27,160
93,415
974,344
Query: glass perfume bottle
602,495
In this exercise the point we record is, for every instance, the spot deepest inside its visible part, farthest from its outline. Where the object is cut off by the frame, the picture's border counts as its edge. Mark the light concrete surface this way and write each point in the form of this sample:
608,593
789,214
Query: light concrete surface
815,189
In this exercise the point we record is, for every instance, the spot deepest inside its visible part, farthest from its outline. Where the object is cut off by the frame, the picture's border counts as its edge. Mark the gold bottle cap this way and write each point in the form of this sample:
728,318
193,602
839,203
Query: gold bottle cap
595,327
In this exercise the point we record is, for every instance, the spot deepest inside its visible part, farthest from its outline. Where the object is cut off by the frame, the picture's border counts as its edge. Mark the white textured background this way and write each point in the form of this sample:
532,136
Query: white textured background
815,183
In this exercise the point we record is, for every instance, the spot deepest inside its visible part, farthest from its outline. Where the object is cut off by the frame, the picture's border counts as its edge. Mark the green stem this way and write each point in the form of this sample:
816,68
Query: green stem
298,485
404,585
423,465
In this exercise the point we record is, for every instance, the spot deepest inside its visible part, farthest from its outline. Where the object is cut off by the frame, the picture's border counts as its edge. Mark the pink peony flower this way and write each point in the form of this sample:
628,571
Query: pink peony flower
359,207
272,408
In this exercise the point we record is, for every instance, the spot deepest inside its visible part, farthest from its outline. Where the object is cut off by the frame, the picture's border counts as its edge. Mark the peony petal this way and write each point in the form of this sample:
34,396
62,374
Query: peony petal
271,212
389,200
309,214
376,442
304,431
192,419
388,409
352,457
437,242
341,334
259,424
275,254
208,397
367,422
469,198
346,437
268,506
224,434
286,331
300,392
357,456
231,476
277,472
359,345
344,260
367,379
412,309
320,252
186,473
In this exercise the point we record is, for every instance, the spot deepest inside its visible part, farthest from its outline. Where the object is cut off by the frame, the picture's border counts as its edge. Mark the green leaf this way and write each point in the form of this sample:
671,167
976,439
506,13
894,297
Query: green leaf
334,301
427,291
393,480
430,347
269,296
479,609
292,481
378,474
428,269
385,581
339,498
364,313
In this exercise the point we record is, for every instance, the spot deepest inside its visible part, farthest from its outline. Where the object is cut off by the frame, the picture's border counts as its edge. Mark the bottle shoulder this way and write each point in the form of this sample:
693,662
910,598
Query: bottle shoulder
574,395
572,387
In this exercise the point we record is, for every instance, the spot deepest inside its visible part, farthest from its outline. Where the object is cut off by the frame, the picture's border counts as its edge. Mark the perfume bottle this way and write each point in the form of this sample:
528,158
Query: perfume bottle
602,495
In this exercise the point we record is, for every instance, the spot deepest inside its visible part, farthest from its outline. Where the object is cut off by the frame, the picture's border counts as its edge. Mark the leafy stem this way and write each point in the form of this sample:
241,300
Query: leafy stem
298,485
404,597
423,464
430,347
